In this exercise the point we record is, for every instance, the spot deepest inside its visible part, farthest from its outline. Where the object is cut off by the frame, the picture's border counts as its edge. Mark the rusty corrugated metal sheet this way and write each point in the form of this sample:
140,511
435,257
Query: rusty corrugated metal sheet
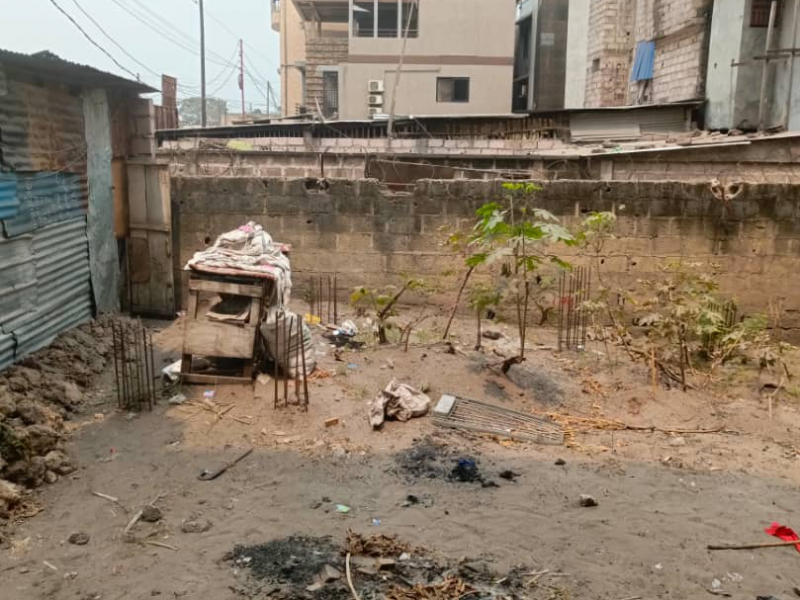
9,205
46,199
42,129
47,66
63,294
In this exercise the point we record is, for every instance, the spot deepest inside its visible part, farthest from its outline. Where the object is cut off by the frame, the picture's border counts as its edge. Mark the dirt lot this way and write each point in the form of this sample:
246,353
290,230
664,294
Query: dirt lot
663,497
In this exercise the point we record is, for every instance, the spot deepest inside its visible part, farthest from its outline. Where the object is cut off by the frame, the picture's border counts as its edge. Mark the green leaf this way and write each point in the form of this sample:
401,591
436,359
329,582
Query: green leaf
544,215
561,263
477,259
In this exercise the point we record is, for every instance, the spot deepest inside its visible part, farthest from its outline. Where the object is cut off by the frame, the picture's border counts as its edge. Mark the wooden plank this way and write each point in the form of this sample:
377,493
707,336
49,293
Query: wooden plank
191,309
150,227
198,378
153,192
137,198
139,260
186,363
160,284
119,180
255,311
208,338
219,287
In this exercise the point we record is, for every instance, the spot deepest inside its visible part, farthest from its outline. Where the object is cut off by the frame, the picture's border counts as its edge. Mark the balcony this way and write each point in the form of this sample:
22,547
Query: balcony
323,11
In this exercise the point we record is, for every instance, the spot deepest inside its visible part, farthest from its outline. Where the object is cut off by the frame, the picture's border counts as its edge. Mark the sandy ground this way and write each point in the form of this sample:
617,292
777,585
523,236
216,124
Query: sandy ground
662,496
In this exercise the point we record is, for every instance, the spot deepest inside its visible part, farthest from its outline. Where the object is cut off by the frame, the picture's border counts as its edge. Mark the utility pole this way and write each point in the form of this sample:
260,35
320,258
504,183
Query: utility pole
269,91
241,74
202,66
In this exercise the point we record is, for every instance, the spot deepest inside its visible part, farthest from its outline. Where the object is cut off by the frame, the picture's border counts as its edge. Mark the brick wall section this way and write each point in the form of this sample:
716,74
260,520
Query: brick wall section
608,64
679,29
370,236
321,51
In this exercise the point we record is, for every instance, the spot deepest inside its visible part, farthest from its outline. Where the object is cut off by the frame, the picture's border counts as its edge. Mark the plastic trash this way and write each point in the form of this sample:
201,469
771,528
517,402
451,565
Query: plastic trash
376,522
172,372
342,508
177,399
348,328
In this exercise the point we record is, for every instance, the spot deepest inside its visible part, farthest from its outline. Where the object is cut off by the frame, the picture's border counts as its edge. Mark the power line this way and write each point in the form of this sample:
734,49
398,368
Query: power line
165,33
231,71
88,37
166,24
162,22
231,63
236,36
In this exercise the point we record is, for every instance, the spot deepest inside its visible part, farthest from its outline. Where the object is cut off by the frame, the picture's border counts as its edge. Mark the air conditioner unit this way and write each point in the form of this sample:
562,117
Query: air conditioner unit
374,111
375,100
376,86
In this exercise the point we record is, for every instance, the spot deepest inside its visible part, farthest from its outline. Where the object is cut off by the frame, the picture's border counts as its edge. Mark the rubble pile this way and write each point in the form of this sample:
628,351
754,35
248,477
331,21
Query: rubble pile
36,397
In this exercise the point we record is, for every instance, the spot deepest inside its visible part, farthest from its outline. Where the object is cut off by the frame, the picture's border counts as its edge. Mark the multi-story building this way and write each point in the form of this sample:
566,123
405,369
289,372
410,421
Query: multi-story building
603,53
753,76
457,56
286,21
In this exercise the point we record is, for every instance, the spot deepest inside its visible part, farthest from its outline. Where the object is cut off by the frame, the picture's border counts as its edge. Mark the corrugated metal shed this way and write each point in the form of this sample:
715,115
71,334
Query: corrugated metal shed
8,195
45,277
62,288
61,254
17,279
47,198
50,67
628,125
42,128
598,127
7,346
43,325
664,121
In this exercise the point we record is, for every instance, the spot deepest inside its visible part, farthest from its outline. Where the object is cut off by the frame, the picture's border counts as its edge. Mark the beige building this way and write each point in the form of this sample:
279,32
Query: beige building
458,57
287,22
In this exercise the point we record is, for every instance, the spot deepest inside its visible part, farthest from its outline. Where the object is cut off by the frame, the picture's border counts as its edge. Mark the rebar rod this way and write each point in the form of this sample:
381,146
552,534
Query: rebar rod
285,362
305,373
335,298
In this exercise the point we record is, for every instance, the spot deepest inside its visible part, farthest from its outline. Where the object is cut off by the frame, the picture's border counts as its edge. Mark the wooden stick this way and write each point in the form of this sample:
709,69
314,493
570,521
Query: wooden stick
162,545
106,497
350,578
111,499
132,522
755,546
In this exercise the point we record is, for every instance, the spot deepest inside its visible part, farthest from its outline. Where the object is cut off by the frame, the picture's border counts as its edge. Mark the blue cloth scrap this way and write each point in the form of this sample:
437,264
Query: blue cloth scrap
643,61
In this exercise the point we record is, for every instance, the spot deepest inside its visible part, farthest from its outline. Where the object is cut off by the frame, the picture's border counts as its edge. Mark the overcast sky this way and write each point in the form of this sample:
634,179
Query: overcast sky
169,44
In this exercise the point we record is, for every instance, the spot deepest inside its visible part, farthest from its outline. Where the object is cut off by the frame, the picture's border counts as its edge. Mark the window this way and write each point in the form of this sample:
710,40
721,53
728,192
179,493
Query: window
387,18
595,65
452,89
410,10
393,17
363,19
330,93
759,13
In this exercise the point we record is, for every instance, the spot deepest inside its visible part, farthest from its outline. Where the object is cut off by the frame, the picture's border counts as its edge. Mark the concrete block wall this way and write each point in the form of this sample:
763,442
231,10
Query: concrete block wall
608,64
371,236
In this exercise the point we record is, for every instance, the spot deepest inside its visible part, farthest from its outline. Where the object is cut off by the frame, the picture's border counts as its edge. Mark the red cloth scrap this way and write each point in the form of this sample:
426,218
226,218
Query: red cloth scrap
784,533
